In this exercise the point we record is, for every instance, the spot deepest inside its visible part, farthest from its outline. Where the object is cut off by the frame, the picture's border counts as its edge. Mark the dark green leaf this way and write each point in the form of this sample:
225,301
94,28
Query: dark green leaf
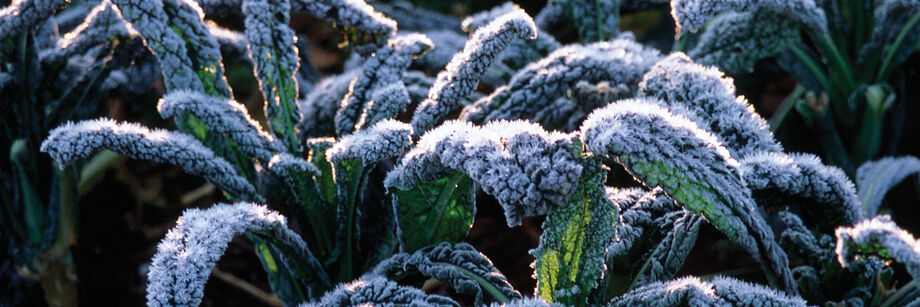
434,212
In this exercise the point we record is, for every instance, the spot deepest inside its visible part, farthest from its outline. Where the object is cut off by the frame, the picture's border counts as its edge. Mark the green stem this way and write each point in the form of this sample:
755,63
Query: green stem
812,66
788,103
354,185
885,70
869,138
826,44
900,294
485,285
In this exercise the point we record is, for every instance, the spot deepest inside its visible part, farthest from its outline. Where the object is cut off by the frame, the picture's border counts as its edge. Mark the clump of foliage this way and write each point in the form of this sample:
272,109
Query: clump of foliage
847,63
336,222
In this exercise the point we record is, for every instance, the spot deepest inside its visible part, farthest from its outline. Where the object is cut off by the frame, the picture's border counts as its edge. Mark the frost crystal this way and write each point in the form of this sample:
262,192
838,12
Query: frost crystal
881,238
693,168
73,141
385,67
527,169
694,14
374,290
223,116
538,85
803,175
385,139
691,291
463,71
705,96
189,251
875,178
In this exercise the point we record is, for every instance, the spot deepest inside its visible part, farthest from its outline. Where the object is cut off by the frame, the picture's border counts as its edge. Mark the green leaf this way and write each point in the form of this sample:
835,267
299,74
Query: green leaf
693,168
434,212
875,178
325,181
33,210
351,177
571,254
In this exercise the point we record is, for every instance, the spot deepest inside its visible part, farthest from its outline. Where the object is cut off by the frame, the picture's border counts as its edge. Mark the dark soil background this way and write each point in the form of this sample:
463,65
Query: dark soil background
126,215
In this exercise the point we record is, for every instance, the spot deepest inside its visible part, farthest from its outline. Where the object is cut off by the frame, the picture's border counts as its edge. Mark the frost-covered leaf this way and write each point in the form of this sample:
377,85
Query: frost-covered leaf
100,25
274,58
175,32
705,96
378,291
650,216
364,25
735,41
538,85
694,14
384,140
803,239
526,302
459,265
691,291
693,168
412,18
823,194
596,20
572,250
385,67
189,251
875,178
317,156
890,16
680,229
224,116
319,108
636,208
434,212
461,75
878,238
526,168
73,141
353,158
21,15
519,52
385,103
447,43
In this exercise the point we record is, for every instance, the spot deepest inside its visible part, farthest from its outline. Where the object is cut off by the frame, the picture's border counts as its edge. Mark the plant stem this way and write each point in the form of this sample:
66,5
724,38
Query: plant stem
826,44
777,119
816,70
900,294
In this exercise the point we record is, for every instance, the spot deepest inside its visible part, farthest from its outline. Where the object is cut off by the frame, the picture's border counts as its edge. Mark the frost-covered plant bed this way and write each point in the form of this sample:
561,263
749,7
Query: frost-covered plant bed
361,187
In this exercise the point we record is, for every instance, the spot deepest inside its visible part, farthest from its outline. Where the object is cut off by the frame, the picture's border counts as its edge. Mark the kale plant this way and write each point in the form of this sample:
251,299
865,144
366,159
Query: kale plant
362,189
847,63
56,64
